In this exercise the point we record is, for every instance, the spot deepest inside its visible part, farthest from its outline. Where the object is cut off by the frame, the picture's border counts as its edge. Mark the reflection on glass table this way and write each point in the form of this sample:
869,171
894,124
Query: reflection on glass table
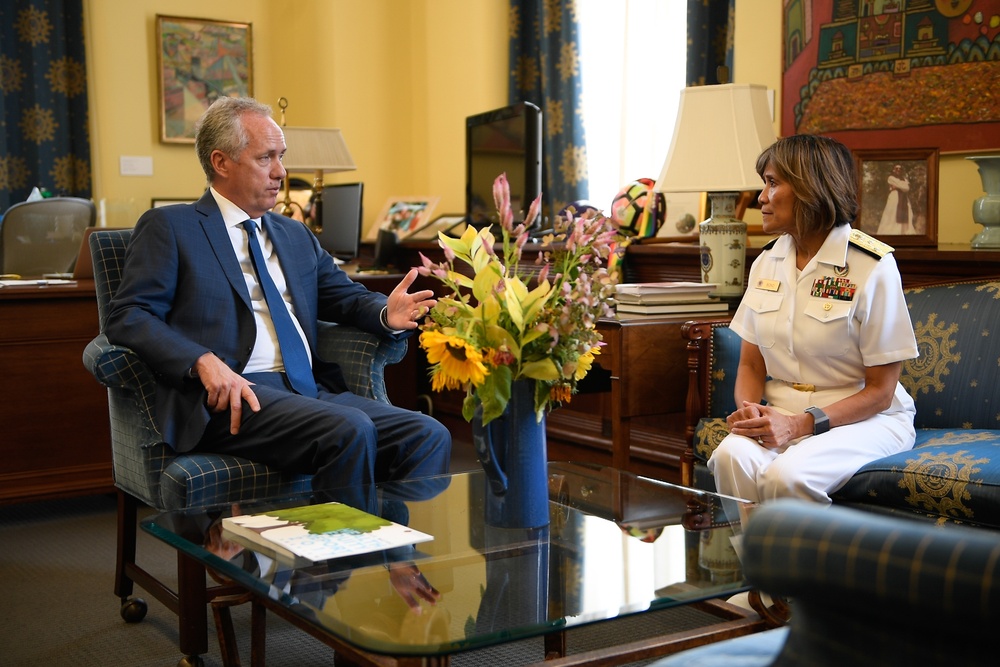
616,545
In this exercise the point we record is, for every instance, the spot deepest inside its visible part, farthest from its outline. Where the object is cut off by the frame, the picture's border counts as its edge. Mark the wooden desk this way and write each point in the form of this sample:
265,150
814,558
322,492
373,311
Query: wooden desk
56,436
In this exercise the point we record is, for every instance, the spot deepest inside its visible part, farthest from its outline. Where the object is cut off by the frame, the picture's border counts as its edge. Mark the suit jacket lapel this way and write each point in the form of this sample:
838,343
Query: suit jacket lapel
218,236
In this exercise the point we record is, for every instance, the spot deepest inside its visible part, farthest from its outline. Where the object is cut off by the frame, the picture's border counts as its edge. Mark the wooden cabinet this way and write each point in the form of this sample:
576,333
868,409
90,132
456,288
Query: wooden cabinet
55,438
630,411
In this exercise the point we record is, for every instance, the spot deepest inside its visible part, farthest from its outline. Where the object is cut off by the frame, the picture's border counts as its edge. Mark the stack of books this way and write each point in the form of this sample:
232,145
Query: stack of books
667,299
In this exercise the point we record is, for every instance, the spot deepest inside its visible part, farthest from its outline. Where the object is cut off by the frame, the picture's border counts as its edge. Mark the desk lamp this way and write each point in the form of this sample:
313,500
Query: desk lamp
318,149
719,133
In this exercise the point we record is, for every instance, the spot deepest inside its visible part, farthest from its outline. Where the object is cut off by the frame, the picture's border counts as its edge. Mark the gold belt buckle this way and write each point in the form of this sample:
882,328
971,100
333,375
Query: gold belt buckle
799,386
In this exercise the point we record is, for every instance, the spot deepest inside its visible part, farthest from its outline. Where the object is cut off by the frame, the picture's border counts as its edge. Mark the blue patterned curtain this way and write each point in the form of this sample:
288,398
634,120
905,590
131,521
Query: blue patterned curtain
43,106
545,70
710,28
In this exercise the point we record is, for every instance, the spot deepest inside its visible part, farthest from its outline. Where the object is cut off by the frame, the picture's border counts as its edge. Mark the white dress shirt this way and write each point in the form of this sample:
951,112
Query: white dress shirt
266,355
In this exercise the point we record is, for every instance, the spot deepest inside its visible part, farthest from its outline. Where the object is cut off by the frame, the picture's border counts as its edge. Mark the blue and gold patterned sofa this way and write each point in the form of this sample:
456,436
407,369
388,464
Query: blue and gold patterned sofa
953,472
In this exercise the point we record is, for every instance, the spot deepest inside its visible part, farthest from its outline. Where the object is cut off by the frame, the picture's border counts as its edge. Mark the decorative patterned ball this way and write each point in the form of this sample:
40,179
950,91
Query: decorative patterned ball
637,210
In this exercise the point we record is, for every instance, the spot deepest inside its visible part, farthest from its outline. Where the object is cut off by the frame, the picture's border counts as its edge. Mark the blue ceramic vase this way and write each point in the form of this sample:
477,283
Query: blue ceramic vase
512,452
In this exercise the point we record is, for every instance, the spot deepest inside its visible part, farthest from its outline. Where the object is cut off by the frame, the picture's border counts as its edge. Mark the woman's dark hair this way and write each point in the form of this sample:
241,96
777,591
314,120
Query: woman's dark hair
823,177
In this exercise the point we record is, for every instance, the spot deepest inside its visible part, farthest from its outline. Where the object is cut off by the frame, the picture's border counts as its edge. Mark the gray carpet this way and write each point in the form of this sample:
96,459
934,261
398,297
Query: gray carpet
57,563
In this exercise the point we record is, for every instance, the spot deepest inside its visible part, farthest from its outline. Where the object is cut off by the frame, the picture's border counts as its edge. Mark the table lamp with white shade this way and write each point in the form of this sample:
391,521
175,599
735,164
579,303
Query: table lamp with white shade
317,149
719,133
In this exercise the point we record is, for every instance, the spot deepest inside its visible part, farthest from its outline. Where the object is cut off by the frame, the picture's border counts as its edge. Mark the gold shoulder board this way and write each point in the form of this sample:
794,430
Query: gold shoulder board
869,244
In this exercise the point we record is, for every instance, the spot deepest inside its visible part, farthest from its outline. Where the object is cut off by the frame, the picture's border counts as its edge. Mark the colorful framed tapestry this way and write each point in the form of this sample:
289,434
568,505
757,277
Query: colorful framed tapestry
199,61
898,194
892,73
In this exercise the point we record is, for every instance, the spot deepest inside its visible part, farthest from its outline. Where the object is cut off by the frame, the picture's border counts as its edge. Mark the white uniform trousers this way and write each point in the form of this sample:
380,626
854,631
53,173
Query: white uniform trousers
812,467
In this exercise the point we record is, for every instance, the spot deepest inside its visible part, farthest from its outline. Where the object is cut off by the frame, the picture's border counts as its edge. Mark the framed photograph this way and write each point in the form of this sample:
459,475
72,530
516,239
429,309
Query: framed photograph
199,61
403,215
442,223
898,192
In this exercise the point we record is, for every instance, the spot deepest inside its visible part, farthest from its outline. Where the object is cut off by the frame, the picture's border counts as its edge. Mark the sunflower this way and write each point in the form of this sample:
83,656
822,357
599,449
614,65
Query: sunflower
454,362
585,363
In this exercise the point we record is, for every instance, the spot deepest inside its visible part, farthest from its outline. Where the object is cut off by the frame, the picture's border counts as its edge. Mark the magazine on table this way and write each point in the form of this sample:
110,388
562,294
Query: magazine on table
320,532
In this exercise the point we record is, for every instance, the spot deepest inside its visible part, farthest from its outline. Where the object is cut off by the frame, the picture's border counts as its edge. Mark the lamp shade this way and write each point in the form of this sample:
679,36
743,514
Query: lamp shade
719,133
316,149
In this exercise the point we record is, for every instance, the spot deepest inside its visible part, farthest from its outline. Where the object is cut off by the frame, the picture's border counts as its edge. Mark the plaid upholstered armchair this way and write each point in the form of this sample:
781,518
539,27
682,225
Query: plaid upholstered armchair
865,589
148,472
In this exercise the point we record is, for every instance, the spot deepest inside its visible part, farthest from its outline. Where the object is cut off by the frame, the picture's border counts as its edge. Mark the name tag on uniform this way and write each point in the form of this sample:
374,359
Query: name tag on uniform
768,285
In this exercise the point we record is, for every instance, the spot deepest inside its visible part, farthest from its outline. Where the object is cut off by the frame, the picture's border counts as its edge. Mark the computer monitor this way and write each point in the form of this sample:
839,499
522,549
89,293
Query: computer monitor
506,140
342,209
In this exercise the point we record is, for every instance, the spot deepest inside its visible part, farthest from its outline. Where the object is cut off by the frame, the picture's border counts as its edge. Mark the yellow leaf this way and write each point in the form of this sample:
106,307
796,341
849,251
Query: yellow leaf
543,369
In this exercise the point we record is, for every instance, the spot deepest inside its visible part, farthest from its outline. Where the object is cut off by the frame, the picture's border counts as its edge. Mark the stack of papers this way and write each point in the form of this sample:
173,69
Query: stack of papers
667,298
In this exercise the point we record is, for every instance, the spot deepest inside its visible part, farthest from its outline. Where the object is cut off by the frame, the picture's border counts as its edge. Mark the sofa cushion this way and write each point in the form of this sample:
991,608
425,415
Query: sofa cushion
952,475
951,381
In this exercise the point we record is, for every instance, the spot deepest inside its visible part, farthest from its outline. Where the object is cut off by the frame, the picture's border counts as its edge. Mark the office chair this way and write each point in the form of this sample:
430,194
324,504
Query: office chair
147,471
39,237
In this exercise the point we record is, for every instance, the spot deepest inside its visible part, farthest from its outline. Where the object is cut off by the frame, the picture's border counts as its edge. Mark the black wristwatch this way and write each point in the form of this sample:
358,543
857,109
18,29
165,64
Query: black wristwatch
821,423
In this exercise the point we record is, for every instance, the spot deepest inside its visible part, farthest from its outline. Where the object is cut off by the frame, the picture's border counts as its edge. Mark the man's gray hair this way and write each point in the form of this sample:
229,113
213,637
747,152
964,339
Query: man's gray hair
221,128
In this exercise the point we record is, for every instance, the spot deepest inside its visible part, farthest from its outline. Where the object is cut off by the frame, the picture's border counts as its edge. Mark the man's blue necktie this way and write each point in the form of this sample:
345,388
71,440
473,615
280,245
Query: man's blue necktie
293,352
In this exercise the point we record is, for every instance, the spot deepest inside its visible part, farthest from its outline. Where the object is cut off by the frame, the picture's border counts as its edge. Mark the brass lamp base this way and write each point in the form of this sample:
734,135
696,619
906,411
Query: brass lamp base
313,219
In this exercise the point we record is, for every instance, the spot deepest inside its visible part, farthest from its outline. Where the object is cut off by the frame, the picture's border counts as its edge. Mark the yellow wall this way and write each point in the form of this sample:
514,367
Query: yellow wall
758,60
397,76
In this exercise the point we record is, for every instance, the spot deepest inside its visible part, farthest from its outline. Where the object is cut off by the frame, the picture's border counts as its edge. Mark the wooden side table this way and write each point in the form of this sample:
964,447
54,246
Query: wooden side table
633,419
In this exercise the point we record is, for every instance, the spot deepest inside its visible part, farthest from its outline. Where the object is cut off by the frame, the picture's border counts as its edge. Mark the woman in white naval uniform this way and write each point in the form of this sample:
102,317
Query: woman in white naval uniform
825,330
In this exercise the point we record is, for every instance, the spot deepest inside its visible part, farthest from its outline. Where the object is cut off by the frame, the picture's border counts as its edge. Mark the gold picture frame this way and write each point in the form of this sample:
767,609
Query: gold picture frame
198,61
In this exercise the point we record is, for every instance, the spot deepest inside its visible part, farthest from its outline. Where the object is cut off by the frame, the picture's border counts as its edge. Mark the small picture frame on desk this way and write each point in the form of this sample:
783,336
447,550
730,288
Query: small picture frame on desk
442,223
403,215
898,192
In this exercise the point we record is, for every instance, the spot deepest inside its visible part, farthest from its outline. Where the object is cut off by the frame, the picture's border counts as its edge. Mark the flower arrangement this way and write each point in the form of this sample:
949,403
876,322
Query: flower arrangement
505,322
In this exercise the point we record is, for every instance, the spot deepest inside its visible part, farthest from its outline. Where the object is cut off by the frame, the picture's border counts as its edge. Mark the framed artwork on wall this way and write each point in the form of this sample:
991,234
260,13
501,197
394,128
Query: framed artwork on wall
199,61
898,194
403,215
892,74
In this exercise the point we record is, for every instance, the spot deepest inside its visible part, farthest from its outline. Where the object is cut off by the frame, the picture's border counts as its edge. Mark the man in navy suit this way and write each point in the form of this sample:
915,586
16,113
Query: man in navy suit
192,307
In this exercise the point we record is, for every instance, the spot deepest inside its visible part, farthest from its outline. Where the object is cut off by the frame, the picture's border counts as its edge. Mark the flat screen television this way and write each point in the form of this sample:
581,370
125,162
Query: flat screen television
507,140
341,229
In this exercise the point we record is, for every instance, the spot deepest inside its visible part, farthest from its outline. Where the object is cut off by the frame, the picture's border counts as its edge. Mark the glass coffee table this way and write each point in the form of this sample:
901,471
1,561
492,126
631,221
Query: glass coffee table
617,546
